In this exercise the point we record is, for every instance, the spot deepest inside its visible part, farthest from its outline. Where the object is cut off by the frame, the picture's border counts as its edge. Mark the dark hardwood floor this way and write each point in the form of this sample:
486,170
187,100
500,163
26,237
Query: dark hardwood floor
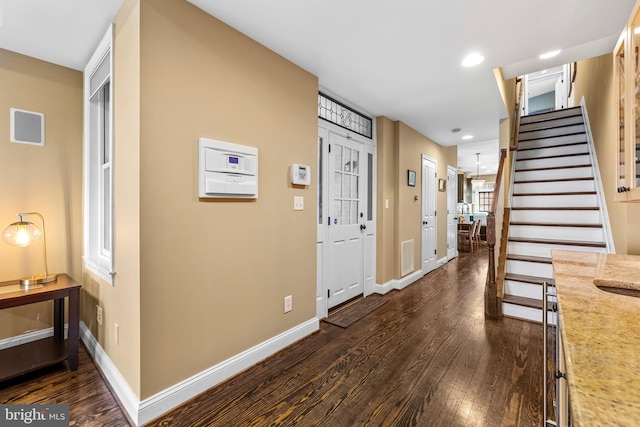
425,358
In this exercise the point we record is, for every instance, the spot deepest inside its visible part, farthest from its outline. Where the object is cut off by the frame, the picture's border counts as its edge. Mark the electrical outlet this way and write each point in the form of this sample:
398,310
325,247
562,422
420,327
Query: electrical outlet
298,203
99,314
288,303
116,332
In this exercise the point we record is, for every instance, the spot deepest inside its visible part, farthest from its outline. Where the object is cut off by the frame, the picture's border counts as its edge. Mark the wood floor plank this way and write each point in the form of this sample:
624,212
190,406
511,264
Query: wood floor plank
426,357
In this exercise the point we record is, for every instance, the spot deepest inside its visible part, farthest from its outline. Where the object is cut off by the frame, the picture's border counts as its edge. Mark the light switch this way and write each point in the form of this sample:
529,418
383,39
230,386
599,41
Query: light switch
386,203
298,203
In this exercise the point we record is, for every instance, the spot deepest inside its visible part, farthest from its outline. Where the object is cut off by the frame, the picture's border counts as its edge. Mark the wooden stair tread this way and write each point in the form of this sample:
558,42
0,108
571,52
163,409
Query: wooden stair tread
524,139
523,301
529,279
548,168
566,144
538,259
557,156
556,208
565,193
556,224
551,115
559,242
535,181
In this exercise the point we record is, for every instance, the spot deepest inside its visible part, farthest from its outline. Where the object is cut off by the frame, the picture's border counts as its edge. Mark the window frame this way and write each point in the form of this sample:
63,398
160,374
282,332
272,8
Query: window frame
98,164
481,205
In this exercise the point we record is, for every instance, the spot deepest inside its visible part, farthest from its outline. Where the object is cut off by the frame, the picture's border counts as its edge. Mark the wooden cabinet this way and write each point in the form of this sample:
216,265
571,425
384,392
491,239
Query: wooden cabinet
627,80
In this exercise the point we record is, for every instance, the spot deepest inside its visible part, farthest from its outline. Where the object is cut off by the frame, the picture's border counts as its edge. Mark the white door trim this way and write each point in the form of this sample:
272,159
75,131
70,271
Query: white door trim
429,226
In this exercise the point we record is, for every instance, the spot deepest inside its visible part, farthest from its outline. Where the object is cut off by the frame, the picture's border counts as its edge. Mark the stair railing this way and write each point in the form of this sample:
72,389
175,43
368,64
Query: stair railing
513,145
491,298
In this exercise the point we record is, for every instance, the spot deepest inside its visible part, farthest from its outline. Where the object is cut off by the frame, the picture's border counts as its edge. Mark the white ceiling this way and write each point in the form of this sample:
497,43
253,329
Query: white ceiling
397,59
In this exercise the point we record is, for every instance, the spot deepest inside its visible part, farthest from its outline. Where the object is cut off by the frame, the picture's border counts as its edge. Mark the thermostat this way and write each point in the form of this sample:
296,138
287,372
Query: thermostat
300,174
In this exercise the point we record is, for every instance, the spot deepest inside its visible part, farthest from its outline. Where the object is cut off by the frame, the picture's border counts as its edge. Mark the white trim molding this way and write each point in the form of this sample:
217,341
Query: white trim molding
30,337
141,412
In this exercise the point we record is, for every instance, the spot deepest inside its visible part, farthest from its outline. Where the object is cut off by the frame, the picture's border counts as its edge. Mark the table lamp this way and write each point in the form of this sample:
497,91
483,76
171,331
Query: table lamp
23,233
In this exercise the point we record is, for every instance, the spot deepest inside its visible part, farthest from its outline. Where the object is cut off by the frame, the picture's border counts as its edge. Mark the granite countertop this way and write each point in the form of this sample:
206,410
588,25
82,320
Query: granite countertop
601,336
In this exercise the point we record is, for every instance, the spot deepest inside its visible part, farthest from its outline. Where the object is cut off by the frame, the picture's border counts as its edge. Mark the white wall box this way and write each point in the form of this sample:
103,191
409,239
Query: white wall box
300,174
227,170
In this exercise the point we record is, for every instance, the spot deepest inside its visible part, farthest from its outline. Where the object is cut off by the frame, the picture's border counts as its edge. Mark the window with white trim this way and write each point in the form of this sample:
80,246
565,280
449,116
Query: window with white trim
98,161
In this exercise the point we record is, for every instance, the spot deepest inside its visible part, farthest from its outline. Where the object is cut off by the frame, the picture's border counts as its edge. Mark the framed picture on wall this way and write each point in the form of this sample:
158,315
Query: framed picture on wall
442,185
411,178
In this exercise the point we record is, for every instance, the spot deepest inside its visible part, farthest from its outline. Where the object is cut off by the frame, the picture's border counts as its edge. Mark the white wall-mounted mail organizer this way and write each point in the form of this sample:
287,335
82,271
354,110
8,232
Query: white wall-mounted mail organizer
227,170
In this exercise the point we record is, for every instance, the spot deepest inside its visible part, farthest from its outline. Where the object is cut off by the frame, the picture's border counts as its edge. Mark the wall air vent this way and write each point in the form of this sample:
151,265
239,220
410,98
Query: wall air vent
27,127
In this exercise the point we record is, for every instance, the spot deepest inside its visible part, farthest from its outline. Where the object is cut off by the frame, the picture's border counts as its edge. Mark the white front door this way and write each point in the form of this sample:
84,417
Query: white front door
348,219
429,237
452,213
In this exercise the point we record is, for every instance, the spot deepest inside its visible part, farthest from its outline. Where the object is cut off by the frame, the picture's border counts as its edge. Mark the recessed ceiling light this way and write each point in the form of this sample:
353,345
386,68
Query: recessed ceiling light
472,60
467,137
550,54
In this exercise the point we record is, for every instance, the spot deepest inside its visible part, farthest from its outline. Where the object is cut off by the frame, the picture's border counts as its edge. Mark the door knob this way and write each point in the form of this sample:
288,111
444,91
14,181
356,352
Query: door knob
363,227
425,222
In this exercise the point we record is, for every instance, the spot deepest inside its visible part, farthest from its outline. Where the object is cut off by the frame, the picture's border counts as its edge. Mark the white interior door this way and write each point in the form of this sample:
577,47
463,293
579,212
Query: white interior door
429,237
452,213
347,219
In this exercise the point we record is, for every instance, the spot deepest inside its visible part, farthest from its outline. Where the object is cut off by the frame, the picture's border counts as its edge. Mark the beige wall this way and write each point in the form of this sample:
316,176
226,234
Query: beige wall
213,274
387,167
45,179
398,151
594,82
121,302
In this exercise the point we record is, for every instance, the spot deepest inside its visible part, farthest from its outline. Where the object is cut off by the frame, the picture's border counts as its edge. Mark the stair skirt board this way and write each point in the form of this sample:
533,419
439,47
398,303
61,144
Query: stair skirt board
522,289
529,268
551,123
564,161
560,150
566,112
583,234
526,313
557,216
567,173
572,200
550,142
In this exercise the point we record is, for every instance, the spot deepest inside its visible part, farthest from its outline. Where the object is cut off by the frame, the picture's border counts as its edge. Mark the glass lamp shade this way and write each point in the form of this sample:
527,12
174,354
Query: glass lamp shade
21,233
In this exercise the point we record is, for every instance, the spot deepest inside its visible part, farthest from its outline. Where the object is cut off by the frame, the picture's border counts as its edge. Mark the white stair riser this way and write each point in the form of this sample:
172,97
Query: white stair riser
522,289
526,313
545,133
544,250
573,200
565,121
568,173
568,217
553,151
554,187
526,268
581,234
551,142
553,162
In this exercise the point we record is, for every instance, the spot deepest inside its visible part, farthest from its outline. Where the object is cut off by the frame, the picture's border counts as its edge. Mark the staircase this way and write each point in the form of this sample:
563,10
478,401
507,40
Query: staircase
554,205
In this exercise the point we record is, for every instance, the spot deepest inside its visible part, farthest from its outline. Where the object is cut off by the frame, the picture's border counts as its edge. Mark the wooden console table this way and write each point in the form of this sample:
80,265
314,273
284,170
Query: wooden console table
23,358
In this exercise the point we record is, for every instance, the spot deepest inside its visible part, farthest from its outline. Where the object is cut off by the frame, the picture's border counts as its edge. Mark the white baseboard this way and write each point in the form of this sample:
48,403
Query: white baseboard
30,337
442,261
142,412
398,284
126,395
